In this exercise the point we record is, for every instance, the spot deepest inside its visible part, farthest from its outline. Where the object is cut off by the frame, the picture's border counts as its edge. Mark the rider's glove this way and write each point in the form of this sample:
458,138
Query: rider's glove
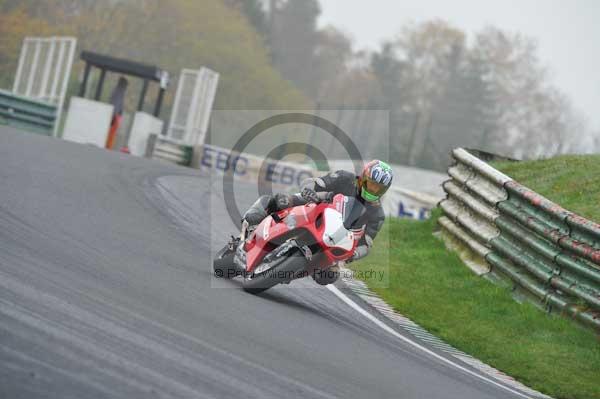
282,201
310,195
329,197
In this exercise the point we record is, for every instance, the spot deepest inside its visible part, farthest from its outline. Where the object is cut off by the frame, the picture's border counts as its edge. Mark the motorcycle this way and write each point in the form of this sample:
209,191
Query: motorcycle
294,243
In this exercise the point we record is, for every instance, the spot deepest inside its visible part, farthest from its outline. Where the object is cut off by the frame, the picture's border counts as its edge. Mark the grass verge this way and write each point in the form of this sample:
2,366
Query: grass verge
572,181
430,285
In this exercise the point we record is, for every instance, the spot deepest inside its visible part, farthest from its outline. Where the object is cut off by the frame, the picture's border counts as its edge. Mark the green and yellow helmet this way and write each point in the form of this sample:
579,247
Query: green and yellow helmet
375,180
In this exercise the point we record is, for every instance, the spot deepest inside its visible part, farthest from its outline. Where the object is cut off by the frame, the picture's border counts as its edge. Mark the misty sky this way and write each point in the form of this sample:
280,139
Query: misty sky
567,31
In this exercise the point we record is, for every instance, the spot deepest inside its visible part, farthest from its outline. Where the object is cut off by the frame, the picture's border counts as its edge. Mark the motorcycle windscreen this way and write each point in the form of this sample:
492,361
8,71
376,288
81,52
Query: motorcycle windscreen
352,212
335,234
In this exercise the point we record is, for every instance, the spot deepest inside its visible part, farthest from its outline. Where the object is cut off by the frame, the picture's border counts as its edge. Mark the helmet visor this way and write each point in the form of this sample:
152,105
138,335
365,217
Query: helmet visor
371,190
374,188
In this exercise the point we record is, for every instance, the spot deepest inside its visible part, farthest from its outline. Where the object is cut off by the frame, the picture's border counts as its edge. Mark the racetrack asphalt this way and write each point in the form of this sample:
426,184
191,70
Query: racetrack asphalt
106,291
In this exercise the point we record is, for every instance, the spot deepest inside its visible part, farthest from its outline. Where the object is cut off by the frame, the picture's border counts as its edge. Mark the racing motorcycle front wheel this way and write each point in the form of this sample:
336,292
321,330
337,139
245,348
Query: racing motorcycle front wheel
223,265
285,270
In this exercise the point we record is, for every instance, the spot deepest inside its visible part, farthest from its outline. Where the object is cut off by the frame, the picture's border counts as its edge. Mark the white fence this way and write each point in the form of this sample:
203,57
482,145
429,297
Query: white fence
194,99
44,68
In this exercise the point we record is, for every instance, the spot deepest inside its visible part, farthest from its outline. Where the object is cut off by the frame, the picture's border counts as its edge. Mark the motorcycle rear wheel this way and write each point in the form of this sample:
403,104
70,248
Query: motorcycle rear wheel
286,271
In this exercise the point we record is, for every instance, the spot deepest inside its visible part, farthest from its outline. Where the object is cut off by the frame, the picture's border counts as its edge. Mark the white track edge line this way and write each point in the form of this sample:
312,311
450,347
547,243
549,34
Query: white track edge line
390,330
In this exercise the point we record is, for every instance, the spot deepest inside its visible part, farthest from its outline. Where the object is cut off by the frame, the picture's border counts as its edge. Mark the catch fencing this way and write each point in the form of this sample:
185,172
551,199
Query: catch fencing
550,252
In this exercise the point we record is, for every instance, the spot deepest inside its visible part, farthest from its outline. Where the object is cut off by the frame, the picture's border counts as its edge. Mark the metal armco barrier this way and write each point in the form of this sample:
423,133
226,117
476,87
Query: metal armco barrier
28,114
165,150
549,251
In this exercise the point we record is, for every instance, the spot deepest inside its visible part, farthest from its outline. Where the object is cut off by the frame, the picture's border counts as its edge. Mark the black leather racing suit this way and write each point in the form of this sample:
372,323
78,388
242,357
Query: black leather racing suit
338,182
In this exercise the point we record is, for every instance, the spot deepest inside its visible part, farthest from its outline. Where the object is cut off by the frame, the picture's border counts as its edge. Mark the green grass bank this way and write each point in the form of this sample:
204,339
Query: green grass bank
429,284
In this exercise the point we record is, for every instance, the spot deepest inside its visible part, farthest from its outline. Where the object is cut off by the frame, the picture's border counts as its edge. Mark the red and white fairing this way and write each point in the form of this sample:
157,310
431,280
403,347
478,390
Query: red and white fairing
323,223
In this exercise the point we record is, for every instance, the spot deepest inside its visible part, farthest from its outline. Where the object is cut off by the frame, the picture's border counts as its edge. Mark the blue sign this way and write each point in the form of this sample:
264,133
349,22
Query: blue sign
419,214
224,161
286,174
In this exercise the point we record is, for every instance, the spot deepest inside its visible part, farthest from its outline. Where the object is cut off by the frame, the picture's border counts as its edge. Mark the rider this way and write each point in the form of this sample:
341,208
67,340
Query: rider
374,181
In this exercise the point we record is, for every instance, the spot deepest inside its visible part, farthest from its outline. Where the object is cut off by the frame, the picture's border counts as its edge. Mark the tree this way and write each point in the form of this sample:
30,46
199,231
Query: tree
595,138
492,95
53,11
533,118
389,70
414,71
331,56
15,25
254,11
293,41
174,35
305,55
426,50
